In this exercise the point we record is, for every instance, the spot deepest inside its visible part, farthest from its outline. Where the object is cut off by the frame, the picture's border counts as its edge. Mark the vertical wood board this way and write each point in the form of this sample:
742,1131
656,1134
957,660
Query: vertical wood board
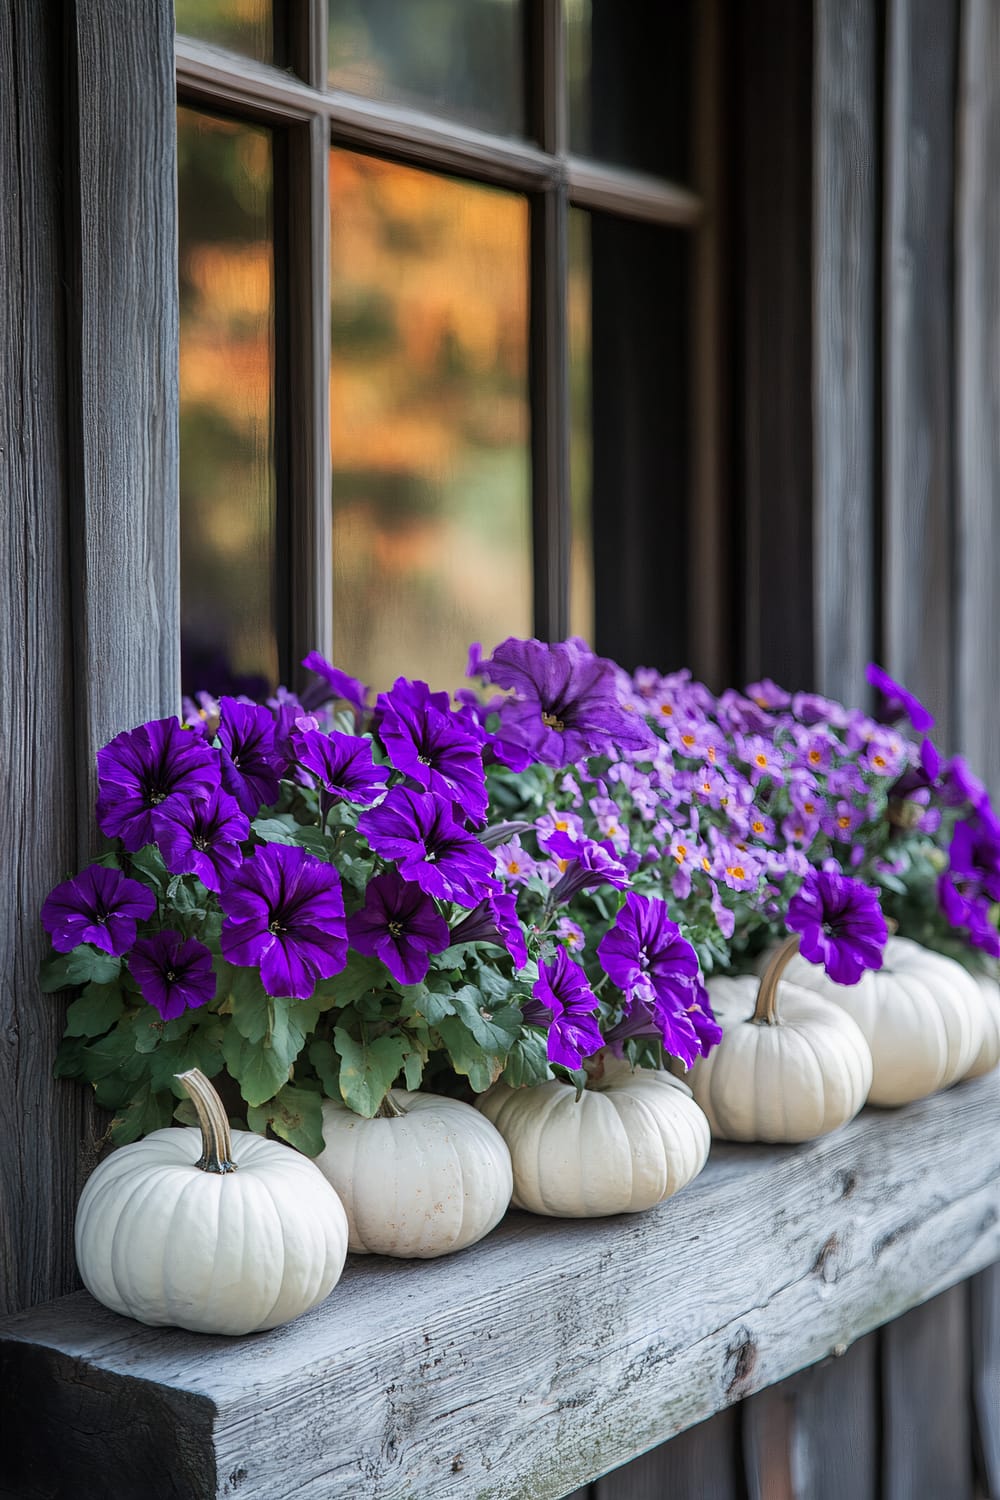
702,1463
977,384
925,1399
919,637
984,1335
846,340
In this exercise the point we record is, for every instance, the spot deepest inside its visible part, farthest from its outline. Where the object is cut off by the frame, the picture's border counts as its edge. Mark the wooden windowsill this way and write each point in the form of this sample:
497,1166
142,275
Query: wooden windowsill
542,1357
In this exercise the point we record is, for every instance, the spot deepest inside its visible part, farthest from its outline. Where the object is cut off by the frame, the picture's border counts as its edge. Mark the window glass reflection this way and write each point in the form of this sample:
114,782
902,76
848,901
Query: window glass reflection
429,416
227,481
454,57
245,26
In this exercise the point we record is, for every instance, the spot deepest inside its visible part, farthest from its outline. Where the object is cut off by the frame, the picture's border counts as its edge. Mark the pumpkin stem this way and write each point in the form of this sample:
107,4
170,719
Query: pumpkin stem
216,1141
765,1012
389,1109
891,926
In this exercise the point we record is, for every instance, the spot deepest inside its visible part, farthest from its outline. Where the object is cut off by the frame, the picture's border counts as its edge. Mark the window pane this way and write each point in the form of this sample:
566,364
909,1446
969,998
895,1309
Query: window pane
629,70
228,520
429,415
581,579
245,26
455,57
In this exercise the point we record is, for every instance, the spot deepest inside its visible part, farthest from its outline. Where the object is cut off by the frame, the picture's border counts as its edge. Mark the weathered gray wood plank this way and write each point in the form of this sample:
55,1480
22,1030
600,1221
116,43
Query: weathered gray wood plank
925,1399
41,1123
922,39
123,367
977,387
816,1436
553,1350
846,150
984,1336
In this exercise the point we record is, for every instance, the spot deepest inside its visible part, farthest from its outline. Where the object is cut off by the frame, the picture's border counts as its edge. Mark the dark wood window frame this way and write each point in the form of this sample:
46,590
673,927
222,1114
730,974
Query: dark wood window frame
312,118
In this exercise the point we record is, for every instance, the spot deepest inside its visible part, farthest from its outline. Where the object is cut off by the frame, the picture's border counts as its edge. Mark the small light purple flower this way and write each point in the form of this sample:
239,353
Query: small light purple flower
400,925
141,769
98,906
203,838
840,923
174,974
284,913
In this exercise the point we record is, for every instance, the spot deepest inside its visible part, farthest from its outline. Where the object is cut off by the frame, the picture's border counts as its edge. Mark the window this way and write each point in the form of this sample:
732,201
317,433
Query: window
447,322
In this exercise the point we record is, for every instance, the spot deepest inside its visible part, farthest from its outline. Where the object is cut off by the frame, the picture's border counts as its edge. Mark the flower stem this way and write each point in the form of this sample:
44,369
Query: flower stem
217,1145
765,1012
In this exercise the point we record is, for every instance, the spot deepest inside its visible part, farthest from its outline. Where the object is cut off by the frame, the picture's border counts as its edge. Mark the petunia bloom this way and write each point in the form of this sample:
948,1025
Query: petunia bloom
251,761
417,830
284,912
840,923
428,743
98,906
174,974
897,703
203,838
400,925
342,764
563,998
337,684
585,863
567,703
141,769
645,955
494,920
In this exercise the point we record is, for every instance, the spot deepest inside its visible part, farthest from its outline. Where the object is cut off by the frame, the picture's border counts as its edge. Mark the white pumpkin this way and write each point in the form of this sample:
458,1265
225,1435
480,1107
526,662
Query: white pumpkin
989,1051
207,1230
425,1177
790,1066
923,1016
633,1138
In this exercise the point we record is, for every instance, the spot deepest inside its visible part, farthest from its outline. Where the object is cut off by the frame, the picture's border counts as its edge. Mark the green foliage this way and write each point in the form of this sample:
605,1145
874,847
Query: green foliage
294,1114
368,1068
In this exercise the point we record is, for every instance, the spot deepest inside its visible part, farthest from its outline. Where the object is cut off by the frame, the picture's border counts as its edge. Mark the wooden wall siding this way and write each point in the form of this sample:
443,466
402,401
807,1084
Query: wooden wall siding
846,239
921,69
123,371
770,142
926,1415
40,1122
984,1336
977,388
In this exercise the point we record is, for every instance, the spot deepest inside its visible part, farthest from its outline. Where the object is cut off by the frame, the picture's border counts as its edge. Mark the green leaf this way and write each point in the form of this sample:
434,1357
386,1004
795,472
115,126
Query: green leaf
146,1111
259,1070
296,1115
148,865
96,1010
527,1062
413,1069
85,965
284,830
70,1059
421,1003
361,973
201,1048
114,1053
466,1054
368,1069
327,1064
249,1005
149,1029
494,1030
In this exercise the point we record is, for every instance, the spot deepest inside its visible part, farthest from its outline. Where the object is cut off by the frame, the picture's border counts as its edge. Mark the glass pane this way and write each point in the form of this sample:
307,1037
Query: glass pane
245,26
629,73
228,513
581,578
429,415
455,57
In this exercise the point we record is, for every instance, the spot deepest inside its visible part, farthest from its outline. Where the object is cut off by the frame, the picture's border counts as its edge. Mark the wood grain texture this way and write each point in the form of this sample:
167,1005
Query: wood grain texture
551,1351
39,1165
846,150
984,1337
919,644
123,372
977,388
925,1402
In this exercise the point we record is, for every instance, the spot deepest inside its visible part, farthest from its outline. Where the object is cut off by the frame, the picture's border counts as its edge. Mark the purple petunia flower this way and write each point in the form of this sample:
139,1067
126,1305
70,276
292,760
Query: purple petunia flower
645,955
173,974
418,831
495,921
202,838
897,703
564,999
400,925
284,912
337,684
142,769
341,763
428,743
251,762
98,906
584,863
840,923
567,705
